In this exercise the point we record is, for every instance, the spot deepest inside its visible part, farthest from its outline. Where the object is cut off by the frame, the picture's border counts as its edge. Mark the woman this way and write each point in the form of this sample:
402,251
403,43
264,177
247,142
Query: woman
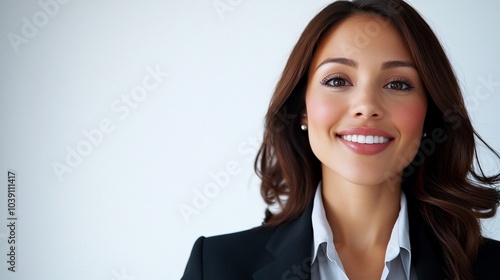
374,174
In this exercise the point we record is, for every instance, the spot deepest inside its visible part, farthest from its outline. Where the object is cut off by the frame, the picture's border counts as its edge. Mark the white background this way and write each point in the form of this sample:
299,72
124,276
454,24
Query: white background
116,214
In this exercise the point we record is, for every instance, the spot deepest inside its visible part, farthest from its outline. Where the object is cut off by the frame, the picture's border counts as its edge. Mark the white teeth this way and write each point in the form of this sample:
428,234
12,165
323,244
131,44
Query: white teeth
365,139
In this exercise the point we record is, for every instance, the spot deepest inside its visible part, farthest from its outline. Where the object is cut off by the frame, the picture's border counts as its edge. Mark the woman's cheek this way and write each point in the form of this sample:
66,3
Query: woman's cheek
411,118
322,112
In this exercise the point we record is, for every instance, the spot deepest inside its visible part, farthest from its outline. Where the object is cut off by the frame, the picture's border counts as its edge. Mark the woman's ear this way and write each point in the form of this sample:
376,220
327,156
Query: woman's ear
303,121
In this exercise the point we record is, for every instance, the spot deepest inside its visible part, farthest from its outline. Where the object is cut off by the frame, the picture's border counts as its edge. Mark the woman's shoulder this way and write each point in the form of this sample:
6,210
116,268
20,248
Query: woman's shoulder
492,243
487,261
231,255
247,238
251,251
489,249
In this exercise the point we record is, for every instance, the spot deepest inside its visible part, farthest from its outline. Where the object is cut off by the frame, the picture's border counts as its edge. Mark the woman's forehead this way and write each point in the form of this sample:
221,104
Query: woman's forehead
362,37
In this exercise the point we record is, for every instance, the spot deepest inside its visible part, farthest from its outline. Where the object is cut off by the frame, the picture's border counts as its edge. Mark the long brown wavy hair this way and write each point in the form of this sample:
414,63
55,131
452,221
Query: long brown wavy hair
445,180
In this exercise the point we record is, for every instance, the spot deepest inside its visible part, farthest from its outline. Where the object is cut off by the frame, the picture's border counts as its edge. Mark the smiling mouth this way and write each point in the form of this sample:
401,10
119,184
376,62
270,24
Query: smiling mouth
365,139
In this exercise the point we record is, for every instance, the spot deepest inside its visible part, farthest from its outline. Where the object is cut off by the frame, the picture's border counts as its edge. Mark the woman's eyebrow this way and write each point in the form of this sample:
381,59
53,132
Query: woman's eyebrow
340,60
397,63
351,63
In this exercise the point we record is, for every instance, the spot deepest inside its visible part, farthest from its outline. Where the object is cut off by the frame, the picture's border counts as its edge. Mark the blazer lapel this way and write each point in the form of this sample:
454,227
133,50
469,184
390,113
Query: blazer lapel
290,247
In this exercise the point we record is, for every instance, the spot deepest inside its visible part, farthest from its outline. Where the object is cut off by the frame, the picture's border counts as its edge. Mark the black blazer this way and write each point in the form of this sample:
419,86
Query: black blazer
284,252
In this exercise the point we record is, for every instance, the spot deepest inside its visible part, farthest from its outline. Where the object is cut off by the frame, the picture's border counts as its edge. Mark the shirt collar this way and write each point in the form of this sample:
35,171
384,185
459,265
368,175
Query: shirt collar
399,243
322,232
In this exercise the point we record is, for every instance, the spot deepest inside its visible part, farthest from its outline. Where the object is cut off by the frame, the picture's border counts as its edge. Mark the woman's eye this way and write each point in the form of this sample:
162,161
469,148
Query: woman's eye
399,85
336,82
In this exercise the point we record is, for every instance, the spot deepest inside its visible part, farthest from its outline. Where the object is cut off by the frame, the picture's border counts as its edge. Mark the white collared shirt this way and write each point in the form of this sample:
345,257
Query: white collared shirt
326,263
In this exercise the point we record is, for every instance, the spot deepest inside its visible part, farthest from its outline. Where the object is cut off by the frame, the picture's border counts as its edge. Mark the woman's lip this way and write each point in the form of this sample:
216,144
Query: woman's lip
365,131
365,149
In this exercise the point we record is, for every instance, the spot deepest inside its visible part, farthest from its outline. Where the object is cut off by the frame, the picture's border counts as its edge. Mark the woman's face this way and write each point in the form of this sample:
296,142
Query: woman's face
365,102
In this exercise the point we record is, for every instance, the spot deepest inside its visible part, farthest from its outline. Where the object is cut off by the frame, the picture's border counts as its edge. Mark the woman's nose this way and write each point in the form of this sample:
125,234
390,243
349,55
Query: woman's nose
366,105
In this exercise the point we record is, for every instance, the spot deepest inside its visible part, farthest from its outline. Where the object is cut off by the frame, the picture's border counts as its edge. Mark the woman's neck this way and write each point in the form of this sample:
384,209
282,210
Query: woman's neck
361,216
